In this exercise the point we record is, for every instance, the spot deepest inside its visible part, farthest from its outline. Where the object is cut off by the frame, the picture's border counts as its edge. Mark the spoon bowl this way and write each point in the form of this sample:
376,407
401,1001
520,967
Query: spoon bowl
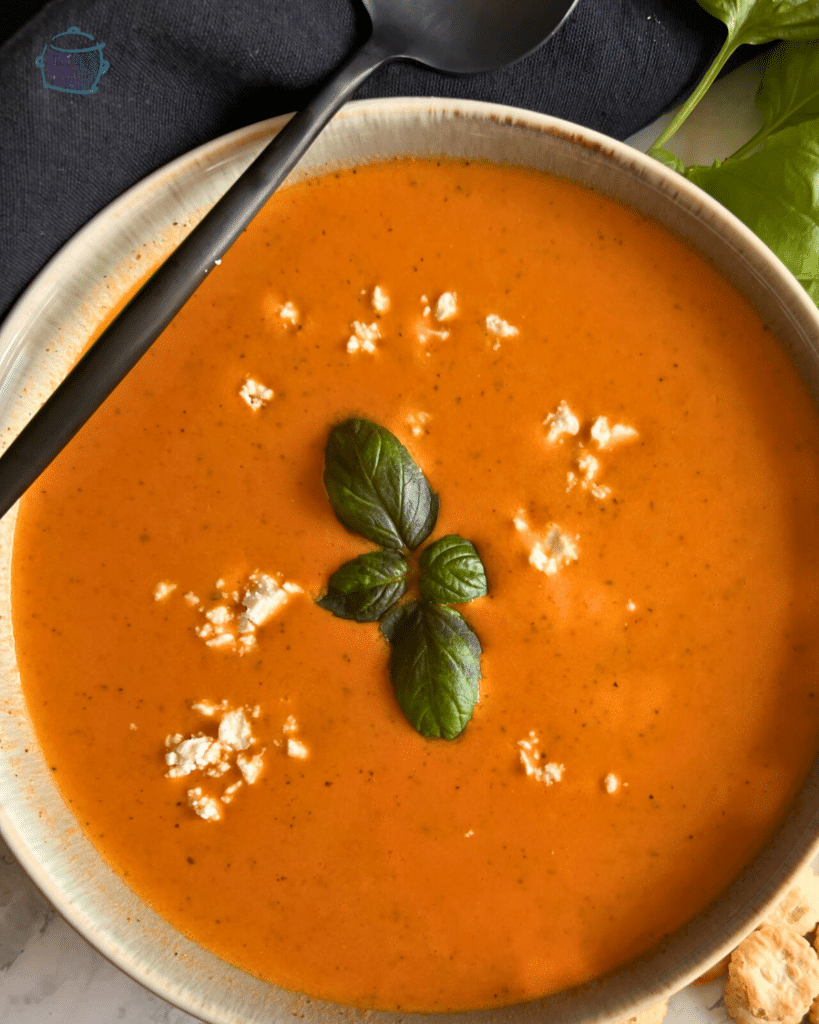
466,36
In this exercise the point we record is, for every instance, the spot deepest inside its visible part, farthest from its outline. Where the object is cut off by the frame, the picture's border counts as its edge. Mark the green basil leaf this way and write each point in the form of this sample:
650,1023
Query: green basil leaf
774,192
364,588
760,21
375,486
748,21
452,571
789,91
435,667
665,156
394,617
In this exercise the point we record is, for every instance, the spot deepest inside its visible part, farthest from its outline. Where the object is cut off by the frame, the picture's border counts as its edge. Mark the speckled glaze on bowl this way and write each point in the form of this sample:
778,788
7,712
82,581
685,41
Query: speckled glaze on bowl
45,333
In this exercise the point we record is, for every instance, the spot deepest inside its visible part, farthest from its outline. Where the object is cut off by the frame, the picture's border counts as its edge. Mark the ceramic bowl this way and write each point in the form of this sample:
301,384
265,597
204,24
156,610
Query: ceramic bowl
45,333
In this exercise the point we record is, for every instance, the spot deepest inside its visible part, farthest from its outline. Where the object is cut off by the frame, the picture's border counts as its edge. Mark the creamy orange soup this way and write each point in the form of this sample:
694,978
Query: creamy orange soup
659,683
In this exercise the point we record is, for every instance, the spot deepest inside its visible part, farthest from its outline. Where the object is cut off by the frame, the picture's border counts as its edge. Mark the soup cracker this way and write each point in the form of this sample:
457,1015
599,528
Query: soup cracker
773,976
799,907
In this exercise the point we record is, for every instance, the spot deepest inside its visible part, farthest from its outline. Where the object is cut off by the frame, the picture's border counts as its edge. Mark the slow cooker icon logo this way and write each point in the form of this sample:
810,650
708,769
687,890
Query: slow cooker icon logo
72,62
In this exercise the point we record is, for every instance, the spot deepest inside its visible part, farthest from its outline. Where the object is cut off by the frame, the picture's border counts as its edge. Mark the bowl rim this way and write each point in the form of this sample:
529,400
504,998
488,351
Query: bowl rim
674,190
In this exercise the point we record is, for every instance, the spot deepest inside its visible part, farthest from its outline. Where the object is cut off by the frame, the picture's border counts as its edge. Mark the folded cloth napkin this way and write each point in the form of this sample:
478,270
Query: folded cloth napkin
74,135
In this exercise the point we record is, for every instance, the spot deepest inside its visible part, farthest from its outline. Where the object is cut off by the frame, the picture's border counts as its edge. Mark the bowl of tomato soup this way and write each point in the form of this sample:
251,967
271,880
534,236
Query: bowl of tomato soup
610,386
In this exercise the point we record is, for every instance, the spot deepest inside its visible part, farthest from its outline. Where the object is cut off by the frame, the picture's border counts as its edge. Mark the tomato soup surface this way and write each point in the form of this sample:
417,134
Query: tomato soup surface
666,673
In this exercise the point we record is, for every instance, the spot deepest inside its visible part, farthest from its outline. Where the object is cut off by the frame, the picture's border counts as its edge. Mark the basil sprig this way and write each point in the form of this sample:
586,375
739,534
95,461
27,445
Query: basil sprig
364,588
770,181
451,571
435,666
377,490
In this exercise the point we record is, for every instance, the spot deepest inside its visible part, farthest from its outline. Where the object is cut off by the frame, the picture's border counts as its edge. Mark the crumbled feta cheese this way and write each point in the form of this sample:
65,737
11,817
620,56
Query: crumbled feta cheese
250,767
255,394
363,338
263,598
554,551
561,422
191,599
216,756
417,422
194,754
228,628
589,467
607,436
611,783
380,300
205,806
133,726
520,521
163,589
234,730
632,607
426,311
219,615
425,333
208,708
221,640
295,748
289,313
230,792
500,328
446,307
530,757
571,480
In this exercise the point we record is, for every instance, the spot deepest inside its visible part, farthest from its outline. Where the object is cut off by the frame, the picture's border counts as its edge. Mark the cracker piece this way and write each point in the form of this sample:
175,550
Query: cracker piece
799,907
654,1014
773,976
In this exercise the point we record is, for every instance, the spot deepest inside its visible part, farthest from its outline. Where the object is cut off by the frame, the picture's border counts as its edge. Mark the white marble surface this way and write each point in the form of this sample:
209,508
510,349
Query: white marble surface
49,975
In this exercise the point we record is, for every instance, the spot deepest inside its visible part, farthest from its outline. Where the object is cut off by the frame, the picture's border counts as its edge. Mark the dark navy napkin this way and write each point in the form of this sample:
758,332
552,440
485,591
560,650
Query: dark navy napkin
158,77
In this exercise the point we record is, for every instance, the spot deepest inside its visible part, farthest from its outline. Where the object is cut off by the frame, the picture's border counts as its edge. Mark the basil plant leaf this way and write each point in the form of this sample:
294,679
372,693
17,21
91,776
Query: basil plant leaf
789,91
375,486
435,668
395,616
774,192
747,21
665,156
366,587
760,21
452,571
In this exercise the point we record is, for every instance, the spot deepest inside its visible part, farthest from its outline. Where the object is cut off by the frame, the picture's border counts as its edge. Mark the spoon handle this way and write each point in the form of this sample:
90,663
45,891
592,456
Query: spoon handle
142,320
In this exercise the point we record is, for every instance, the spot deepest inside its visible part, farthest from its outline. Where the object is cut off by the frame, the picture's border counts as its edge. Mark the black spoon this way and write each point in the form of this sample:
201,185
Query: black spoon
458,36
